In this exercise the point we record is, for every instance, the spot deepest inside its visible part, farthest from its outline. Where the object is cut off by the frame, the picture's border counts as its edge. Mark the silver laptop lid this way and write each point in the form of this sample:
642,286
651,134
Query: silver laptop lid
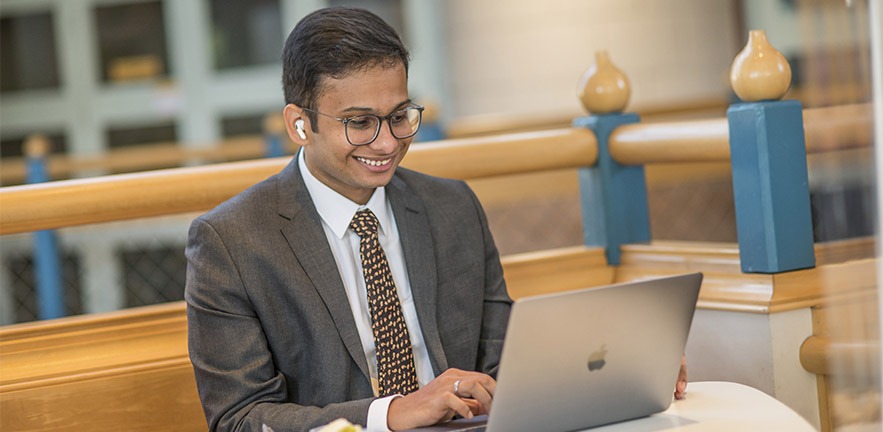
584,358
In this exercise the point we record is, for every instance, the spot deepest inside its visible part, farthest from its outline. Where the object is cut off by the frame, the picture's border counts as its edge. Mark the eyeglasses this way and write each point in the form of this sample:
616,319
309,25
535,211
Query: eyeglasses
365,128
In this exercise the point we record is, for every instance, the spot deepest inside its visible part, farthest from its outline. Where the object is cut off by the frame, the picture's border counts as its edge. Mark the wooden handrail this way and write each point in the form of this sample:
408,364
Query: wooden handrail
826,129
142,158
823,356
181,190
76,202
496,123
694,141
838,127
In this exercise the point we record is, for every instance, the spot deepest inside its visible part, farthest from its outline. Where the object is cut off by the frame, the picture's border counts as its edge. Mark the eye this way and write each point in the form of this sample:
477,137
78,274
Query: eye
398,117
362,122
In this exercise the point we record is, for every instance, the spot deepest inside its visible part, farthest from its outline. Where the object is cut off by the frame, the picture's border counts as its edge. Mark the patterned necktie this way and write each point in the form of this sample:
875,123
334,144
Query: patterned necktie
395,359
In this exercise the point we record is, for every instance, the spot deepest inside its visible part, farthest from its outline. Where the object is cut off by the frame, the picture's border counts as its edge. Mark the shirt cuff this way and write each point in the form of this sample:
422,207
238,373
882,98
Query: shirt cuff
377,412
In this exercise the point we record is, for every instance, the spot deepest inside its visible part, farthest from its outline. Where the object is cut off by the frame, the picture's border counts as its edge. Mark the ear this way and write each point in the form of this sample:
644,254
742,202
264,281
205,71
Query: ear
294,116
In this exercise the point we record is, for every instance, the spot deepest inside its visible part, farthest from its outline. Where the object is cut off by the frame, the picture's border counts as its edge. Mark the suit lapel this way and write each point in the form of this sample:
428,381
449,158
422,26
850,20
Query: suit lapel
417,246
303,231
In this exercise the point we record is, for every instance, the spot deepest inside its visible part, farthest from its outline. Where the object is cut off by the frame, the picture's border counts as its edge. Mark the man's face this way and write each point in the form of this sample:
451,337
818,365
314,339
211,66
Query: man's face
353,171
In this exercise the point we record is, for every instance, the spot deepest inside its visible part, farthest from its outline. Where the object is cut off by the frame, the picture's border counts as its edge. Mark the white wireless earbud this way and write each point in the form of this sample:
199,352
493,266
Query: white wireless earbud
299,128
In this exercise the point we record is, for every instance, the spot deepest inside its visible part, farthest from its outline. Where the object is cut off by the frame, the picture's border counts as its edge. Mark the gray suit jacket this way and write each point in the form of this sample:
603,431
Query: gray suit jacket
271,335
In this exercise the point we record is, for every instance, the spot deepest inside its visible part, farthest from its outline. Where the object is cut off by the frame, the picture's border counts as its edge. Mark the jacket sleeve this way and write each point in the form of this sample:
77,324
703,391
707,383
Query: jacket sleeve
239,386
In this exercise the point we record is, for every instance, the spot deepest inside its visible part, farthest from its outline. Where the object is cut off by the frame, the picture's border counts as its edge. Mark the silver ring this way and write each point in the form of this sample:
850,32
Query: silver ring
457,388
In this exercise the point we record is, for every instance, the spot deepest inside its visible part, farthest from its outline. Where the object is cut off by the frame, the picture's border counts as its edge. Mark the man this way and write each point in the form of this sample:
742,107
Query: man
302,306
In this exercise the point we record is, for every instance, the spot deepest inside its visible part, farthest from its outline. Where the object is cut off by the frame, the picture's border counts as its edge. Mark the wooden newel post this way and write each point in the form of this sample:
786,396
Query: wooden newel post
614,196
768,156
47,265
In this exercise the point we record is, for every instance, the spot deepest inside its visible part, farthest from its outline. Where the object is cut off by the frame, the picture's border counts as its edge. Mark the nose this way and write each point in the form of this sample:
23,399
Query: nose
385,142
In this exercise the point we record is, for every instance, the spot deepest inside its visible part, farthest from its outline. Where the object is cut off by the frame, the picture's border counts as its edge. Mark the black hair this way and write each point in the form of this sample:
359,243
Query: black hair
334,42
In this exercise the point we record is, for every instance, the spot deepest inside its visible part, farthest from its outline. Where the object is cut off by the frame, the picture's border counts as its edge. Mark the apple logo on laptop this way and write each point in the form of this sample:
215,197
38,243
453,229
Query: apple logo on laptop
596,359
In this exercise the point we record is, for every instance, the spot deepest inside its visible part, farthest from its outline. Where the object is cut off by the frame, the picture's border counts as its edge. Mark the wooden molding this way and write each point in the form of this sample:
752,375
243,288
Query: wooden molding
86,346
556,270
844,269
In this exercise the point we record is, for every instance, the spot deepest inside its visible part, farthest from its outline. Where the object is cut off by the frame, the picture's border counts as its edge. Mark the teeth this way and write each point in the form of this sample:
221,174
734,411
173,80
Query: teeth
373,162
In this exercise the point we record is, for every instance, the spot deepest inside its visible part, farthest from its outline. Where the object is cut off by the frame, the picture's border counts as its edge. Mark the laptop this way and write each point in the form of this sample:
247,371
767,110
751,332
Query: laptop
590,357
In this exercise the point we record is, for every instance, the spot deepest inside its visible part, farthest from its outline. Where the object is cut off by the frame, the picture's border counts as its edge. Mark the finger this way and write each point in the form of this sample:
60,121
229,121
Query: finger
684,367
449,415
474,406
480,379
457,405
681,390
681,386
477,391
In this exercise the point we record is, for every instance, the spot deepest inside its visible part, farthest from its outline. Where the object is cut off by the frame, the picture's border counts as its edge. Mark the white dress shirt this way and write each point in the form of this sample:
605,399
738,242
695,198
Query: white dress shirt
336,212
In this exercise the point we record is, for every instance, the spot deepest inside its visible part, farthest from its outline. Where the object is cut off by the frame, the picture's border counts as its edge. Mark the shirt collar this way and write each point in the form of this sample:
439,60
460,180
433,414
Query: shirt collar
337,210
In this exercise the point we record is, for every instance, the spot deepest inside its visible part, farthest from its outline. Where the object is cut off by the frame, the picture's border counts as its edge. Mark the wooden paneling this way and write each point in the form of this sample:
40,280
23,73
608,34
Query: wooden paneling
121,370
148,398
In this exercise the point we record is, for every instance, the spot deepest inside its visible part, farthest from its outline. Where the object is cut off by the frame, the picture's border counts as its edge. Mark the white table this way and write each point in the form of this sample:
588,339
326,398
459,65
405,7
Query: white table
709,406
719,406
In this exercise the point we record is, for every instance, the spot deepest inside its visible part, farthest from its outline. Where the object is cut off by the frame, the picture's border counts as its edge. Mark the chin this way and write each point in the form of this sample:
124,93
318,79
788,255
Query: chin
382,179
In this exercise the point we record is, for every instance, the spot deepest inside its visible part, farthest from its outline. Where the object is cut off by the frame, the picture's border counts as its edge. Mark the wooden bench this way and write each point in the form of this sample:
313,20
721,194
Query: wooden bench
130,369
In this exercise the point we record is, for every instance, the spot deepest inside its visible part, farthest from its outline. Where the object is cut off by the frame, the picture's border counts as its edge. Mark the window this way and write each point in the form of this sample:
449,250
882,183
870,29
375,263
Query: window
133,136
28,57
154,273
241,125
24,286
131,41
245,33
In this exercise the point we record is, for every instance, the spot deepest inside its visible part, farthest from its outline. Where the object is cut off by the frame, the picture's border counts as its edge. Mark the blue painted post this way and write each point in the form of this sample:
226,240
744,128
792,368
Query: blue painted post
770,186
768,157
613,196
47,266
430,126
274,129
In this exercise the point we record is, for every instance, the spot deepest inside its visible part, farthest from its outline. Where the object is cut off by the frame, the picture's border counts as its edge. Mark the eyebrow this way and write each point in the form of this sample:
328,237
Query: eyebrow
358,109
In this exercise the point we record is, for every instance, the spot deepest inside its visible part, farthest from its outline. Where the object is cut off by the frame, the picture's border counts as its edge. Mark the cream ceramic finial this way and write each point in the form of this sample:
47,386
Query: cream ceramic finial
759,71
603,88
37,146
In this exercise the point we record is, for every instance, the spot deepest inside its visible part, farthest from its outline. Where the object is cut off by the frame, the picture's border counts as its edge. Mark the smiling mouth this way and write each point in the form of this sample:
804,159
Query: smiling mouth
376,163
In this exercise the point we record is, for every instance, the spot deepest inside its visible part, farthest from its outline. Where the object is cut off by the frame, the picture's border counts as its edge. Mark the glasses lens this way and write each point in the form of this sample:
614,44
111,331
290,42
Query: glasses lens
404,123
361,130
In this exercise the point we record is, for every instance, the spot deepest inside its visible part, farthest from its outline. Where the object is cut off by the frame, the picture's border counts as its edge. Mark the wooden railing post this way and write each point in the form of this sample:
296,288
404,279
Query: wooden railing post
47,265
768,156
613,196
